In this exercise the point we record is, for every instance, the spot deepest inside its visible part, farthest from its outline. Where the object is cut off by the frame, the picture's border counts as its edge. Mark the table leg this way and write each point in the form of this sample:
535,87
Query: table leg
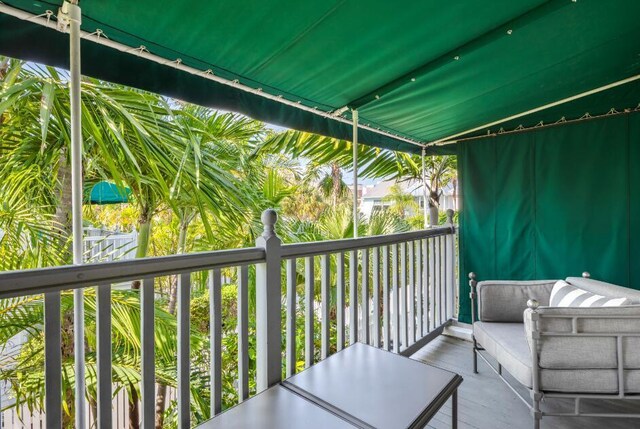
454,409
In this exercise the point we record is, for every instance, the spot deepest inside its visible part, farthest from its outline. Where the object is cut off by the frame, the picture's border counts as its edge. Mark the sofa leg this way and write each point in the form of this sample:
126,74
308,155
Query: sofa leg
535,410
537,416
475,356
475,360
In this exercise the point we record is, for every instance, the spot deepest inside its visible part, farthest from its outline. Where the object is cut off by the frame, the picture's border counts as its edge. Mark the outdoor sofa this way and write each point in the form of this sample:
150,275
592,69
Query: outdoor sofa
560,352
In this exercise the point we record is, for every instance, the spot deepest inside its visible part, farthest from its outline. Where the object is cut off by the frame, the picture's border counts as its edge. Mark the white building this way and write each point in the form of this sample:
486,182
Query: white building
373,196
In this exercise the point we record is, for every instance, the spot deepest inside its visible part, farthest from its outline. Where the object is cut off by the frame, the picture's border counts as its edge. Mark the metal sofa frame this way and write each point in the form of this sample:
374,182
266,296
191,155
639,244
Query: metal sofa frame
536,394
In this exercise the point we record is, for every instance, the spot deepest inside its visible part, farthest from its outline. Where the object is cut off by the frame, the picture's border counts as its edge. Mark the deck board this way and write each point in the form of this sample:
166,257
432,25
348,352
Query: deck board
484,402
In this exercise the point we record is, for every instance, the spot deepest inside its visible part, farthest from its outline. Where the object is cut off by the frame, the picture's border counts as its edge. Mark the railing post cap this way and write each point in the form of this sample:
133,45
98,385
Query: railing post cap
450,214
269,218
533,304
472,281
586,275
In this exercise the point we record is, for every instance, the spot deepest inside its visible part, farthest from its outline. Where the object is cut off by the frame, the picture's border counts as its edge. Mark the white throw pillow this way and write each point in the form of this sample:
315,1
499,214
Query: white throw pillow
565,295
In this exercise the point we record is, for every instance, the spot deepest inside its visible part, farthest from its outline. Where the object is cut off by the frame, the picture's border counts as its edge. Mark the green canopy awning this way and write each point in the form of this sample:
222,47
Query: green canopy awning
108,193
421,70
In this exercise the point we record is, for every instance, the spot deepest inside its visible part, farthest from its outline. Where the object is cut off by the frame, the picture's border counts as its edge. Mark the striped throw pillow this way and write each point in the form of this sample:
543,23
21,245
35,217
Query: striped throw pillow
565,295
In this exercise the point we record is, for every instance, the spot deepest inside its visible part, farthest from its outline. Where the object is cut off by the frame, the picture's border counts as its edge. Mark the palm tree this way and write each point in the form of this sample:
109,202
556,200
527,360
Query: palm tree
25,371
130,137
373,162
206,133
401,202
195,168
439,171
28,236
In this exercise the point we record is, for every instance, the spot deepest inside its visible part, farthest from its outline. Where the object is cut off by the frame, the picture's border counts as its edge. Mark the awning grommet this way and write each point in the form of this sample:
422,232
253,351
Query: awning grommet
99,33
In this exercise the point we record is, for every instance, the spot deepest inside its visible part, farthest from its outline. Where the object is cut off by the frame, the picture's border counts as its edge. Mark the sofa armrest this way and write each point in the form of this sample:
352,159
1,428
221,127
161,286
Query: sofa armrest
505,301
563,336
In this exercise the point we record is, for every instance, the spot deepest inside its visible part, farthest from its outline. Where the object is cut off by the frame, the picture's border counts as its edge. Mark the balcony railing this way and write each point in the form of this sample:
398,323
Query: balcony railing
106,246
394,292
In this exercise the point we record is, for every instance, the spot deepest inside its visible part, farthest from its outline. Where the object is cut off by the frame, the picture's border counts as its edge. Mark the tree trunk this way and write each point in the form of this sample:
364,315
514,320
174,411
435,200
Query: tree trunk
62,215
66,351
434,204
94,408
336,181
69,420
134,409
434,216
144,235
63,220
4,68
161,397
455,193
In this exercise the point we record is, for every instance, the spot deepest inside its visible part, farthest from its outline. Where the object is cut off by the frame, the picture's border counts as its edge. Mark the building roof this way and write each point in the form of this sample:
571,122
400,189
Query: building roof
383,188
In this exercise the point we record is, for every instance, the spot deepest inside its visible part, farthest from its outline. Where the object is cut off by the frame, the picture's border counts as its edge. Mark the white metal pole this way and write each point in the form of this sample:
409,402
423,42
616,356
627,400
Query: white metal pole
425,208
445,140
355,173
75,17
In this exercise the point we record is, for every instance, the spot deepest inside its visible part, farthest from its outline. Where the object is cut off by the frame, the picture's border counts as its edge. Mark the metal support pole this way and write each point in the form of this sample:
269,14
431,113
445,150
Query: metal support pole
73,13
355,173
425,208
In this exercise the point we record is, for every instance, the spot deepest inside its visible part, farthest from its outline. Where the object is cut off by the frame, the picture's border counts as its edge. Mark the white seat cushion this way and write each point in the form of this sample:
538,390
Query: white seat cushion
507,343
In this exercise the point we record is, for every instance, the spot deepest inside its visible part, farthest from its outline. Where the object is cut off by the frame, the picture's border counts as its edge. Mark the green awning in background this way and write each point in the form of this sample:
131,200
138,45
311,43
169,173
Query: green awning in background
109,193
424,70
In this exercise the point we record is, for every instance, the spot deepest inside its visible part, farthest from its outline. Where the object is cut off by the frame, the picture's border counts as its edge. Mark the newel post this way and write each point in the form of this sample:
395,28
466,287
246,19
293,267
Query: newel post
450,213
472,295
451,266
268,306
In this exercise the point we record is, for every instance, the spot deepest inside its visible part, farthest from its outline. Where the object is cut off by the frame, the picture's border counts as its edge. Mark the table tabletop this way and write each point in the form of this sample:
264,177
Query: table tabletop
376,387
276,408
360,386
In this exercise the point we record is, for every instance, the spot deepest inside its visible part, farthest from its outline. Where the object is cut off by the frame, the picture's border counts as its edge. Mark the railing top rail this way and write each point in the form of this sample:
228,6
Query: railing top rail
109,237
28,282
299,250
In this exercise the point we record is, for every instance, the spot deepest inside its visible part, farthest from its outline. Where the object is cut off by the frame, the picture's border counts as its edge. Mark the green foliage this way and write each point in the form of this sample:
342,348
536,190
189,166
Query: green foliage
25,372
200,180
401,202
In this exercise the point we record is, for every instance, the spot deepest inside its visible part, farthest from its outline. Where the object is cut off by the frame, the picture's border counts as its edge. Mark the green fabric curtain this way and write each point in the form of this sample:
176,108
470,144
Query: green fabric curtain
552,203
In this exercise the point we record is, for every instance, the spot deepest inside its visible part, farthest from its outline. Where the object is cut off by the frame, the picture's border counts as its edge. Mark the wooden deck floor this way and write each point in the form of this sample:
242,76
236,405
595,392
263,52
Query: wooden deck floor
485,402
